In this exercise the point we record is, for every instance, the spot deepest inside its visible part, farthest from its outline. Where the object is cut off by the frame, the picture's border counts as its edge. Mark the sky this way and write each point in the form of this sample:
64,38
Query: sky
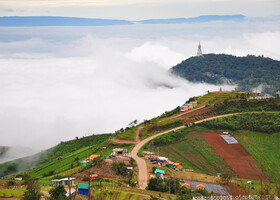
138,9
57,83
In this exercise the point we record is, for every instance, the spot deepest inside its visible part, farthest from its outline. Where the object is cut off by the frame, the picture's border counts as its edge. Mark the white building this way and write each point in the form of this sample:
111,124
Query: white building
63,181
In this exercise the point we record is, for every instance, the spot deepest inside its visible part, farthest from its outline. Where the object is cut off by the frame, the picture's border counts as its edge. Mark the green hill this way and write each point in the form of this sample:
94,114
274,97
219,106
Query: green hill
73,148
248,72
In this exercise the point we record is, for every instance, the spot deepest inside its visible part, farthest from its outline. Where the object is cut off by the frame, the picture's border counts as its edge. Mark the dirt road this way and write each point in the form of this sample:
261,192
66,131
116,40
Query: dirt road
143,174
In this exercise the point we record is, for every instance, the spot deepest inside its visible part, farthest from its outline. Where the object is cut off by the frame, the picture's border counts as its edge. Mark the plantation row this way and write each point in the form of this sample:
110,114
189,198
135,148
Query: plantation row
260,122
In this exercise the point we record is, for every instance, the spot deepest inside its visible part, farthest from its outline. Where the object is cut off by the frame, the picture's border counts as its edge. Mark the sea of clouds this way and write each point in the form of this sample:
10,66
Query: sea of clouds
57,83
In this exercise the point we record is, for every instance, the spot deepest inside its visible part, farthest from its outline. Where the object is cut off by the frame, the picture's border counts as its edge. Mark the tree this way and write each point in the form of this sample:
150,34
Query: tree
119,168
33,188
131,161
10,183
58,193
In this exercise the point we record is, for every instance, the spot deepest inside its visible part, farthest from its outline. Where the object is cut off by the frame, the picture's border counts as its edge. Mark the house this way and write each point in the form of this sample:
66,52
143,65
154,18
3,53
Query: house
18,179
170,164
148,153
72,191
159,173
85,163
83,189
185,185
93,176
92,157
162,159
119,152
184,108
130,168
200,186
190,106
63,181
194,103
178,166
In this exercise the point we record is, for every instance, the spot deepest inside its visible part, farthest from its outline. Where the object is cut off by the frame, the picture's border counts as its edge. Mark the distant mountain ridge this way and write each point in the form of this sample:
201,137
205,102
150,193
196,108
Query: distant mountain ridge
248,72
202,18
27,21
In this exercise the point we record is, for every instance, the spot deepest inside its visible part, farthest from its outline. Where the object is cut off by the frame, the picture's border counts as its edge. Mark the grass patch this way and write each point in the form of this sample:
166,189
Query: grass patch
265,149
156,126
11,192
267,122
127,135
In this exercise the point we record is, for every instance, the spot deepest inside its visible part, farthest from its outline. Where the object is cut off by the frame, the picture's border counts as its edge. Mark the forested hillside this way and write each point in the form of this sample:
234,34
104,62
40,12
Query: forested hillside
248,72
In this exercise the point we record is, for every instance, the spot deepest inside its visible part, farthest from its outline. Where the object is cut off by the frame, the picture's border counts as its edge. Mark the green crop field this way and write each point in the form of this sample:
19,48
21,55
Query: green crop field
219,97
11,193
265,149
193,151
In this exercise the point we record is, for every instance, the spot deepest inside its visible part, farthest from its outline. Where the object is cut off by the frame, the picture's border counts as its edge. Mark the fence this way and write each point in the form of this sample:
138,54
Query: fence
247,197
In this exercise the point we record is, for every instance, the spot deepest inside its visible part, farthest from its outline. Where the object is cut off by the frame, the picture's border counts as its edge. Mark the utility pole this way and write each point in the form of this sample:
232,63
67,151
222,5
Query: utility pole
69,185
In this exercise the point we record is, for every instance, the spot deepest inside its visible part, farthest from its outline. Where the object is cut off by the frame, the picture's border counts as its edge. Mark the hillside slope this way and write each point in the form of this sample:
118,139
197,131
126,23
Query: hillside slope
248,72
48,156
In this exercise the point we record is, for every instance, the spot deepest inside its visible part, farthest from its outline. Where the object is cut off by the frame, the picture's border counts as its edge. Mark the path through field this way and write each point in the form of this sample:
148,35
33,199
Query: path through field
141,163
236,156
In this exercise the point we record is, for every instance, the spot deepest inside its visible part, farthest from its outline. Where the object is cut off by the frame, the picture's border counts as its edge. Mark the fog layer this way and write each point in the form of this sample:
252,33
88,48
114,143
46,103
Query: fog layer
57,83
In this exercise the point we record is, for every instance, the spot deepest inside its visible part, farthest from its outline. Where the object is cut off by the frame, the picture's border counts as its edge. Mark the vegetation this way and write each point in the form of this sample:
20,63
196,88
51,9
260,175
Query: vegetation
70,150
245,106
11,193
33,188
260,122
169,138
119,168
155,126
128,134
58,193
248,72
265,149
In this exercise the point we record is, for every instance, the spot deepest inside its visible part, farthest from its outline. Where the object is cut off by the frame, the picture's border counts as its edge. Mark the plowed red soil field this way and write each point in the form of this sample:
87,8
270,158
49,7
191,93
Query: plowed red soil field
236,156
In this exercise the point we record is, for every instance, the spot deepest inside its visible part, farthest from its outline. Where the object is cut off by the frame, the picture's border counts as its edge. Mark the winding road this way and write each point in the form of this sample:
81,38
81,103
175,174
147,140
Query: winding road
141,163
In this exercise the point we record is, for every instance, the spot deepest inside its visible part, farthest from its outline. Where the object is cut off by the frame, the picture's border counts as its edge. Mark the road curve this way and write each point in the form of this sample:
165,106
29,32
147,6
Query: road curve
141,163
142,167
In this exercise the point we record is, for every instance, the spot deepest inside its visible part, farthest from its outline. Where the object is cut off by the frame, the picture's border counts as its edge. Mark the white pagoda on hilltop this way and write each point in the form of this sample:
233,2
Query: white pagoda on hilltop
199,52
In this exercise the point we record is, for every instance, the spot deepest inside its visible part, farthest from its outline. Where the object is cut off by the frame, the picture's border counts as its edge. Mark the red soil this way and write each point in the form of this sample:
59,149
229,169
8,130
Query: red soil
236,156
235,190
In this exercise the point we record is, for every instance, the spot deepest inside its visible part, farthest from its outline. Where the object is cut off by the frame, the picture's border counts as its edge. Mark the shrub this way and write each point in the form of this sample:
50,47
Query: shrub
119,168
58,193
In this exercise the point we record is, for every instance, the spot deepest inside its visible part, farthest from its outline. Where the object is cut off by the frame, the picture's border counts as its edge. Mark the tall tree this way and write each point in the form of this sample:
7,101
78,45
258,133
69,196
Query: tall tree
33,188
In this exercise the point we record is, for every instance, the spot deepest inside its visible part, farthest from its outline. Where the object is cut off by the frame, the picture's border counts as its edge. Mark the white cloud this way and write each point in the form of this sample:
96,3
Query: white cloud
57,83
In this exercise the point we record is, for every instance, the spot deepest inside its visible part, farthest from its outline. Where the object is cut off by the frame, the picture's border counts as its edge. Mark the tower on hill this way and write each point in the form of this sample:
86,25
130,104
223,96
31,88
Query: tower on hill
199,52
